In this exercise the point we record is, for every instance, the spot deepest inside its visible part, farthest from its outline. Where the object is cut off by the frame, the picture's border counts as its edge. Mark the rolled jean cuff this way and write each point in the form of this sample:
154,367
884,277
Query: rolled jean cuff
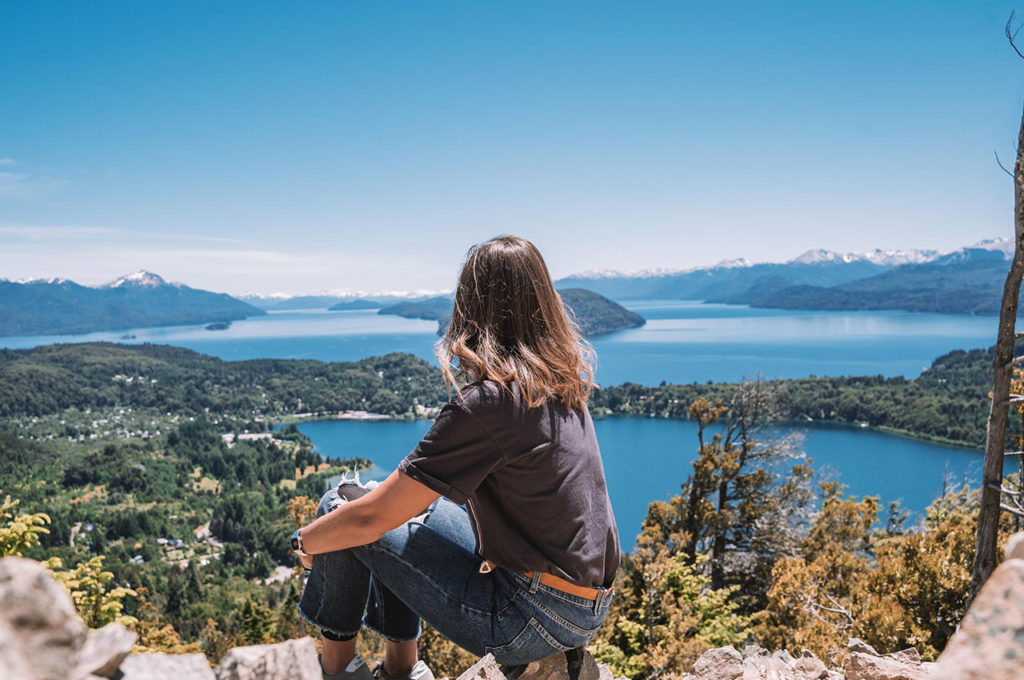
333,631
392,638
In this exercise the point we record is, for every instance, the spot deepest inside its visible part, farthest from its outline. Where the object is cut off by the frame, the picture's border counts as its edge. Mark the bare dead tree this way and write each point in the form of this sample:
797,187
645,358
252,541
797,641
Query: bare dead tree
995,440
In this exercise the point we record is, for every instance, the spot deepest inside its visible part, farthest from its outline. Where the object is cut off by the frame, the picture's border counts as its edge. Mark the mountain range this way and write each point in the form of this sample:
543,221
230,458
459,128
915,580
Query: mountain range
142,299
966,281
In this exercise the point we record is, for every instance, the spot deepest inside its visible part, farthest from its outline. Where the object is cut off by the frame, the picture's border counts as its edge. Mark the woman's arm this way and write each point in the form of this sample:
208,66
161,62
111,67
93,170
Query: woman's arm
364,520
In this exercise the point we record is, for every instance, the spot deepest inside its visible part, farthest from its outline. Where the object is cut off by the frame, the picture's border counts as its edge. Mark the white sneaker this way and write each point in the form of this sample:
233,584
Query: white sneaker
418,672
355,670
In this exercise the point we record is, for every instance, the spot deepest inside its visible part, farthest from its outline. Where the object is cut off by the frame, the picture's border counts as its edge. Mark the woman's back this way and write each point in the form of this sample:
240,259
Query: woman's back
531,478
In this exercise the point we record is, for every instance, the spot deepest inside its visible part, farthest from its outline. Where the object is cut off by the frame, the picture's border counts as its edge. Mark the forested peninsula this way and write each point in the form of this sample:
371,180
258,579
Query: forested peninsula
947,402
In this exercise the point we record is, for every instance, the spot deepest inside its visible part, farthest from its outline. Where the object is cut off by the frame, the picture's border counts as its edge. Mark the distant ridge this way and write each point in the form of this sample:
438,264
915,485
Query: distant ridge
965,281
334,300
138,300
814,256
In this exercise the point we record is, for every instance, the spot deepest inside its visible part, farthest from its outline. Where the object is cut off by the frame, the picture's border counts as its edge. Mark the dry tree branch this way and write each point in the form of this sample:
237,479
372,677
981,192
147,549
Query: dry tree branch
1003,168
1011,34
1003,489
1012,511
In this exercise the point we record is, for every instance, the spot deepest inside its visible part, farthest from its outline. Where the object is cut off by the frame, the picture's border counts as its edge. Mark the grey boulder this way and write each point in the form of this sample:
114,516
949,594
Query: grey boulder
40,632
289,660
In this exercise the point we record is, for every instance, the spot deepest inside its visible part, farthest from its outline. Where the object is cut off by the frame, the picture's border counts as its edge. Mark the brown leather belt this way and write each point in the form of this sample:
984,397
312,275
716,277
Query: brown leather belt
558,583
552,581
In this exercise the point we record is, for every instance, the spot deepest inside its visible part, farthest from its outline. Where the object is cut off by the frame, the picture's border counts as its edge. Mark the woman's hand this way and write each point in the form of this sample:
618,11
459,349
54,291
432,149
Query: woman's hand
306,560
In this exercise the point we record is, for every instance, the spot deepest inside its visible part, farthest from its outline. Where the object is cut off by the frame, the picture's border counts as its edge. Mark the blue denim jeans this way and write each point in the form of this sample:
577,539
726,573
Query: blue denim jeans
429,568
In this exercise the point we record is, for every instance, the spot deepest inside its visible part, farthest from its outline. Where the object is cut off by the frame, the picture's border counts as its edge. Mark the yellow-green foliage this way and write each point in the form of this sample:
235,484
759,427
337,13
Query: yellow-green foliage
891,591
19,532
97,601
664,613
157,636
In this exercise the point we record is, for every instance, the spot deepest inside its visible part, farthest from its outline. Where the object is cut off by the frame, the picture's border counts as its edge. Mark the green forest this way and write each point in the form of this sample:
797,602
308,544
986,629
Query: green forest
165,482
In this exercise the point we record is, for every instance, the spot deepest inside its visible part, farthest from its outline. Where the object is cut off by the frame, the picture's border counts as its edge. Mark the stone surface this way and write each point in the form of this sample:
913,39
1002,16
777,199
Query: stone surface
764,668
290,660
759,664
858,645
40,632
863,666
555,667
104,650
484,669
1015,547
158,666
810,667
909,656
723,663
990,642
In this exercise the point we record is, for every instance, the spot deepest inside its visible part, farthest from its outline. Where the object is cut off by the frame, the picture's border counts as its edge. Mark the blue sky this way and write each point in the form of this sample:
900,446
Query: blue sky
299,147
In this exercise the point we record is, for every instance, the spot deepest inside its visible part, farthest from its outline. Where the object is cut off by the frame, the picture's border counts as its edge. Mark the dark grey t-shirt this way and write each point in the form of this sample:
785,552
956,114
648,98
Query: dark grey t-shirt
531,478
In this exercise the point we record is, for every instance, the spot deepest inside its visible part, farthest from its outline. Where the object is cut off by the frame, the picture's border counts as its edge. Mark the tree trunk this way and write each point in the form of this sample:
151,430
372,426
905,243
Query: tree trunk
718,550
995,443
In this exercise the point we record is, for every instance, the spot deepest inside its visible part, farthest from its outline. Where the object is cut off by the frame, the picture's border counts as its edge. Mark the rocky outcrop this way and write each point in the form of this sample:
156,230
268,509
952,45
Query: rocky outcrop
105,649
290,660
158,666
757,663
990,642
1015,547
554,667
42,638
484,669
760,664
864,663
723,663
41,635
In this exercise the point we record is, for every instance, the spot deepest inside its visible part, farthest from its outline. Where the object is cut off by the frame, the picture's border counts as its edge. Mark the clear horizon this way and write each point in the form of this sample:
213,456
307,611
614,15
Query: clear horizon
256,148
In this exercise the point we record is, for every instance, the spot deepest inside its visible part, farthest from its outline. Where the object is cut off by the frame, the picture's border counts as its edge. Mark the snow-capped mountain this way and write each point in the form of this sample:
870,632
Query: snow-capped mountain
1004,245
142,278
886,258
138,300
742,281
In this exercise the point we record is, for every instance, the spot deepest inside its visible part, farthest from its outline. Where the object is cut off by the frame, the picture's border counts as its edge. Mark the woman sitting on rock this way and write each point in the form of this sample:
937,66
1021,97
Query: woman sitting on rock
496,529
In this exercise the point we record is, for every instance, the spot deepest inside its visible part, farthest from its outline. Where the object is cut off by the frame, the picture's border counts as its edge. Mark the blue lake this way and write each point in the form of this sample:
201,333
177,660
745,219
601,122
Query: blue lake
648,459
682,342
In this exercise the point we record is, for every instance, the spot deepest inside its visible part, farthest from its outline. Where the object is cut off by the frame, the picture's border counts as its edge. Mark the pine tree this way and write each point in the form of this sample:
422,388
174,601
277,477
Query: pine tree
255,623
287,625
748,497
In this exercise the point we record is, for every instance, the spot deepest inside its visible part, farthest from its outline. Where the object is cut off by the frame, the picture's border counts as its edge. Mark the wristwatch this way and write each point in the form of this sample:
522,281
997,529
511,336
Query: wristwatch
297,542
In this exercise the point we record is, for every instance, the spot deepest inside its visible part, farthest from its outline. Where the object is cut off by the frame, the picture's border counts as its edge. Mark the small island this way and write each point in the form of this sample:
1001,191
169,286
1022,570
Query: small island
353,305
594,313
218,326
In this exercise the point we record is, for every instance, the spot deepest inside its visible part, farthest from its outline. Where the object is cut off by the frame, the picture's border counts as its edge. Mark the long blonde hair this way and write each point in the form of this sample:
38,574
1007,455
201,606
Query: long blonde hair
509,325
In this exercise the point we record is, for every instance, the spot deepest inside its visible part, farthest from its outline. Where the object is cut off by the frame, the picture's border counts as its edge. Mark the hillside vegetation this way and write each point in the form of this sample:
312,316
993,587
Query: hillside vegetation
947,402
51,379
968,288
185,496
